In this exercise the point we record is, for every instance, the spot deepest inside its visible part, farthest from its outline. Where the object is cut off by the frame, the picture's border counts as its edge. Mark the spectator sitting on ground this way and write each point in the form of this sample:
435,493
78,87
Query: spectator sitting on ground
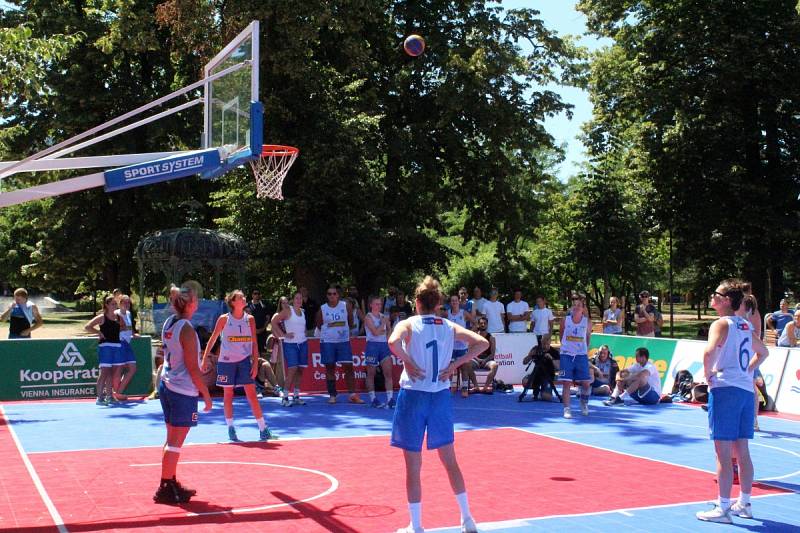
266,382
778,319
791,332
640,383
605,369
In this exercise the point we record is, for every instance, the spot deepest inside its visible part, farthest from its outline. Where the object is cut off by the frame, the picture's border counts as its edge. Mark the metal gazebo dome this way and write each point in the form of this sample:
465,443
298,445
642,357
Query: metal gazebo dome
177,252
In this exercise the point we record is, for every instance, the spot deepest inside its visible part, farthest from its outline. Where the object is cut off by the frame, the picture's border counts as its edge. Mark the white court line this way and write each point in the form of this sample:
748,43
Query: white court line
51,508
628,511
333,481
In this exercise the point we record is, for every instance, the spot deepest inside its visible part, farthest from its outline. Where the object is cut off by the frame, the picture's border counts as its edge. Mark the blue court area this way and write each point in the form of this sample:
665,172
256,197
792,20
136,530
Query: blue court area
671,436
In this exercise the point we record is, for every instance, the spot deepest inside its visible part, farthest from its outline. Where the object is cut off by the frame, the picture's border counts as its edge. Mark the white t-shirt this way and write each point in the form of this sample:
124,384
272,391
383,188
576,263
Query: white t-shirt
654,380
517,308
479,305
541,320
494,316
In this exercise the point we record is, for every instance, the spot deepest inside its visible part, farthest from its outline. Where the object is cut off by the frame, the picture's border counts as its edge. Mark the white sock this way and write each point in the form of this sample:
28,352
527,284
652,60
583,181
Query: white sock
415,510
296,392
625,396
262,424
463,505
744,498
725,503
371,395
389,394
229,421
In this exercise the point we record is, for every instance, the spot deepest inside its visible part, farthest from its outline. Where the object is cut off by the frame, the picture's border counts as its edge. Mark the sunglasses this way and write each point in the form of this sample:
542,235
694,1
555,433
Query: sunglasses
332,293
715,293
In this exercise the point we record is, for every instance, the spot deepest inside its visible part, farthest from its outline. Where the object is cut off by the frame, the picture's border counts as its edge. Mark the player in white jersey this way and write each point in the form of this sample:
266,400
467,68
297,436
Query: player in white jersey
424,342
181,382
461,317
576,330
335,319
730,357
295,346
749,311
124,372
238,361
377,352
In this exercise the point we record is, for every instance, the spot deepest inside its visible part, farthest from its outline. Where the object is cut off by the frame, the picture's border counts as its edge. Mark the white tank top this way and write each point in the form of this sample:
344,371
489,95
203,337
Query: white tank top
237,339
431,349
784,340
733,357
573,338
297,325
334,323
356,323
127,333
377,322
175,375
459,319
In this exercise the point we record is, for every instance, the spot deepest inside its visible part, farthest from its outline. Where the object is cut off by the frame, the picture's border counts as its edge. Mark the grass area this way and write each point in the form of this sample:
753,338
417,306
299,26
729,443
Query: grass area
78,318
684,329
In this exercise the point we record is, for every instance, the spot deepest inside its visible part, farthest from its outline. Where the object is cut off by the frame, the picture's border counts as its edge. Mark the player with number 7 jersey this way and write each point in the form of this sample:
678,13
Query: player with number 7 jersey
424,343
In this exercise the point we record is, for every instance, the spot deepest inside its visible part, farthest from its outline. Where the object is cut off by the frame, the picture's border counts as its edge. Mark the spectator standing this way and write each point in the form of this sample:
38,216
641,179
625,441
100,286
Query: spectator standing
613,317
261,312
310,308
518,312
401,309
390,300
358,310
495,313
644,317
23,316
776,320
478,303
542,318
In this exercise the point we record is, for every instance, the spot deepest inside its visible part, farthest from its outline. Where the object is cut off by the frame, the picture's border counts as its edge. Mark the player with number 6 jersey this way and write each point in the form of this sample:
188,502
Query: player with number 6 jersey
424,342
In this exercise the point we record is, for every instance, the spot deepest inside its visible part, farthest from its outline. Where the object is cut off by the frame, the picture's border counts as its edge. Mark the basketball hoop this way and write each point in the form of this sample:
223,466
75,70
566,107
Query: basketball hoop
270,169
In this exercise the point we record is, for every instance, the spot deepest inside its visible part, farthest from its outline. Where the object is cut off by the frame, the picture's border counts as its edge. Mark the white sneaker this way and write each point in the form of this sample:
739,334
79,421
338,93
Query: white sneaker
715,515
584,409
742,510
468,526
567,412
411,529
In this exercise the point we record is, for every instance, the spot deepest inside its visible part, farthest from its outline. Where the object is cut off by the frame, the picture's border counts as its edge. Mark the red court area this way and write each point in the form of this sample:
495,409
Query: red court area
345,485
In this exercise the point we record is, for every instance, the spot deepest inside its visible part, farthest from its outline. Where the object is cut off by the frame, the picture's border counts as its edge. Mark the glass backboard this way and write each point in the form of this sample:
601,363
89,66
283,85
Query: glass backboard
228,111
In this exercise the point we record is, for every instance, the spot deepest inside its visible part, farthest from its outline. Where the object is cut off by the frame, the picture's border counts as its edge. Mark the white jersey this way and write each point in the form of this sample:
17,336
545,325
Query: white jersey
334,323
126,334
377,322
174,374
784,339
573,338
354,331
733,358
654,379
296,324
431,349
237,339
459,319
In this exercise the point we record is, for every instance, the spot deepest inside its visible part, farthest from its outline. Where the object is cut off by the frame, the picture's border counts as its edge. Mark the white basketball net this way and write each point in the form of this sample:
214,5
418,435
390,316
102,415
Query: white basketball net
271,168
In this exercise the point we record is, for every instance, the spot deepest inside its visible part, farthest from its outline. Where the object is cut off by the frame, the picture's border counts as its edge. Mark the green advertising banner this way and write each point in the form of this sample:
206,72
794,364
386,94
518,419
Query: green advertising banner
623,348
38,369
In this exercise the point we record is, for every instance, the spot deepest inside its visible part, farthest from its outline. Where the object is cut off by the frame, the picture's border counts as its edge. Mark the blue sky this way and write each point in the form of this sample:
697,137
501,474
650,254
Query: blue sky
560,16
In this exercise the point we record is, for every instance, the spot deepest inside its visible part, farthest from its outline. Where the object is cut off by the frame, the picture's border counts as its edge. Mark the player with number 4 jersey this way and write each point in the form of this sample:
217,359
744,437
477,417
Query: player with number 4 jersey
424,343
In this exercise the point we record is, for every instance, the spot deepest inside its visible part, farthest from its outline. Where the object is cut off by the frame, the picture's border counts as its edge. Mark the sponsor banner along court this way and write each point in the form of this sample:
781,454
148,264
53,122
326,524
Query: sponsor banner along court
62,368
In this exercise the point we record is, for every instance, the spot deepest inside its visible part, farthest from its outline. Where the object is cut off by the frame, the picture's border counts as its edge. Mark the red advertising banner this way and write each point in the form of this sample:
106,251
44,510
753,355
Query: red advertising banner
314,375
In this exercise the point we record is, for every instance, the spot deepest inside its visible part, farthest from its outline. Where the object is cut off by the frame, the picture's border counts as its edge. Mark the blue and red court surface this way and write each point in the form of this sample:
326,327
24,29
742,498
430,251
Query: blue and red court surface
73,466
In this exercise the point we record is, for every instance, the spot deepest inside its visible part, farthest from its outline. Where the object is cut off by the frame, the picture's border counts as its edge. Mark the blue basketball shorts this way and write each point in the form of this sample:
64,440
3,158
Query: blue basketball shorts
574,368
234,374
125,356
646,395
731,413
458,353
417,412
336,352
376,352
108,355
295,354
179,409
